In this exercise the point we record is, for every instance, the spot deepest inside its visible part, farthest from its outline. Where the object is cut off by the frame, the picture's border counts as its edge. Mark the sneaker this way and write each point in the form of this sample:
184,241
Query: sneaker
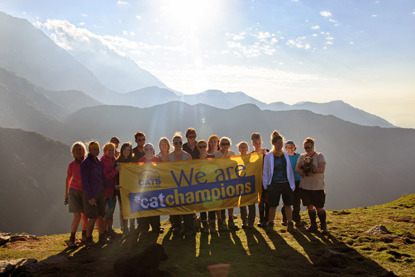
290,227
312,227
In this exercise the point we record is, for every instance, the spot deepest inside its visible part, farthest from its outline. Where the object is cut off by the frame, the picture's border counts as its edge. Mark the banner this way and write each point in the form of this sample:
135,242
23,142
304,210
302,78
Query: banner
183,187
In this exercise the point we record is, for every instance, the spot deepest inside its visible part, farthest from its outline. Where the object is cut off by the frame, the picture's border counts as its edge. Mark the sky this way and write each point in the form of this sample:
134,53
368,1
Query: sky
361,52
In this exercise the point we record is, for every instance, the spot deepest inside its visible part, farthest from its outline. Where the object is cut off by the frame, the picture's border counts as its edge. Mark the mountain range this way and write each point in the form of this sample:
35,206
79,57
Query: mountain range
82,70
49,99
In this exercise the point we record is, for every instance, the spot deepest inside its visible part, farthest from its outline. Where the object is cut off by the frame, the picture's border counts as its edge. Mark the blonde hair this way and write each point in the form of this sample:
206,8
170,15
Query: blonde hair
177,135
166,140
243,143
77,143
107,146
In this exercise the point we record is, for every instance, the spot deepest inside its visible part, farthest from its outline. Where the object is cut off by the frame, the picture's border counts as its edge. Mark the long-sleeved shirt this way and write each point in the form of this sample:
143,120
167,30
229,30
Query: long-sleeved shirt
92,176
109,173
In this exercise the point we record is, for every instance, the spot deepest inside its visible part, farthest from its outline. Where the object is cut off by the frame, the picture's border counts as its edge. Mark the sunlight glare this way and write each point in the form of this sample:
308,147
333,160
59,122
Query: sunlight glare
193,15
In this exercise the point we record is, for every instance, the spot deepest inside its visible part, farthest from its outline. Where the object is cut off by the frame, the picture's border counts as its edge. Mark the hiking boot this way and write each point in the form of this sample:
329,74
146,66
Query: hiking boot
232,226
323,227
312,227
269,228
290,227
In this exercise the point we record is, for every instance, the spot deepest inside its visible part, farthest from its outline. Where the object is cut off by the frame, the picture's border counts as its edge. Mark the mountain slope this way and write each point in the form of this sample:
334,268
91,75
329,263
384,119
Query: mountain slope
32,187
29,53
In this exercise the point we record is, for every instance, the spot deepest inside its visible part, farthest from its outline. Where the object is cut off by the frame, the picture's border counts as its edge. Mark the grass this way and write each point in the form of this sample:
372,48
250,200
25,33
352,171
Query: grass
253,252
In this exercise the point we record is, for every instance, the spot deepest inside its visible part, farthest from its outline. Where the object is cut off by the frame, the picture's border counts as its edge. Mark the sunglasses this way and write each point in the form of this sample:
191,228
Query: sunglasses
191,136
177,143
225,144
149,149
202,146
308,147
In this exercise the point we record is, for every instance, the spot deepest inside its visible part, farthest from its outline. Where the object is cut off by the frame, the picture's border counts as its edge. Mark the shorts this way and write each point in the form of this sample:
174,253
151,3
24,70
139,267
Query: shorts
94,211
317,198
75,201
109,207
275,190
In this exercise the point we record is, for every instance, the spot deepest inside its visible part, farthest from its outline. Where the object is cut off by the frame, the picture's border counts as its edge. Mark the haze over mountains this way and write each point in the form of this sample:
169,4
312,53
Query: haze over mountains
55,100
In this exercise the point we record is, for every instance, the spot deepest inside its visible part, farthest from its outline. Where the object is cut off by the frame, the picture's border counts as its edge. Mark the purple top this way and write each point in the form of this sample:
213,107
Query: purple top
92,176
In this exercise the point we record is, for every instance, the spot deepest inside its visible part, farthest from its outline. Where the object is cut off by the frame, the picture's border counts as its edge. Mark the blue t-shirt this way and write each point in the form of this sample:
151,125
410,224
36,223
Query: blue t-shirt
280,169
293,161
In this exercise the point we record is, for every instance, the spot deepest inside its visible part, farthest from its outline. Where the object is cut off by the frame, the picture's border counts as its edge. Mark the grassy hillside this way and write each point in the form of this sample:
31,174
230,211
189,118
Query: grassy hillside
255,253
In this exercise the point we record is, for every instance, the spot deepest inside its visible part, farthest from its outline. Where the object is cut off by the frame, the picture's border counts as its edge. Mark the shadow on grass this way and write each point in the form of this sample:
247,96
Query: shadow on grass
331,256
249,252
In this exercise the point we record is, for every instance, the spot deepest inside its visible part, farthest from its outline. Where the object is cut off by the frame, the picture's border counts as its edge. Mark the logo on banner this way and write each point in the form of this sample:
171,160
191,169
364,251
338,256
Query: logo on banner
149,179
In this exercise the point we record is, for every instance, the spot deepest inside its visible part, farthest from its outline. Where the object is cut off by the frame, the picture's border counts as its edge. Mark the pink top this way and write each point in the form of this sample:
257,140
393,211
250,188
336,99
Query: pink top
74,170
155,159
109,173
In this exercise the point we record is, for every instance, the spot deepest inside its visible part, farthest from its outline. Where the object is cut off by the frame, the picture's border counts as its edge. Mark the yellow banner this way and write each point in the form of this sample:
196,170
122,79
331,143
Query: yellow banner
183,187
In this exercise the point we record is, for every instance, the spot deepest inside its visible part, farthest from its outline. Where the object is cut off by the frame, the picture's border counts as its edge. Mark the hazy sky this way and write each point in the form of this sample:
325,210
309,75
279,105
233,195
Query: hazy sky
361,52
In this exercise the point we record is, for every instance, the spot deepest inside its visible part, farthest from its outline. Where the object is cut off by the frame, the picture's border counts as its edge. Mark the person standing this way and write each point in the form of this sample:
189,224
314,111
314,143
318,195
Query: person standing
179,155
224,144
290,147
247,217
138,151
110,173
74,193
190,146
312,185
278,179
154,221
263,205
207,218
92,177
126,156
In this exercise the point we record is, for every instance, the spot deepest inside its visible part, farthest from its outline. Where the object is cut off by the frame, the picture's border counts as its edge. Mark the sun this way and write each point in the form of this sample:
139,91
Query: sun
191,15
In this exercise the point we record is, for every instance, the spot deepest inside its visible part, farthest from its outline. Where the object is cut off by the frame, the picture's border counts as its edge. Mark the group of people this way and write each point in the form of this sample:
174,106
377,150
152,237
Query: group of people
92,185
